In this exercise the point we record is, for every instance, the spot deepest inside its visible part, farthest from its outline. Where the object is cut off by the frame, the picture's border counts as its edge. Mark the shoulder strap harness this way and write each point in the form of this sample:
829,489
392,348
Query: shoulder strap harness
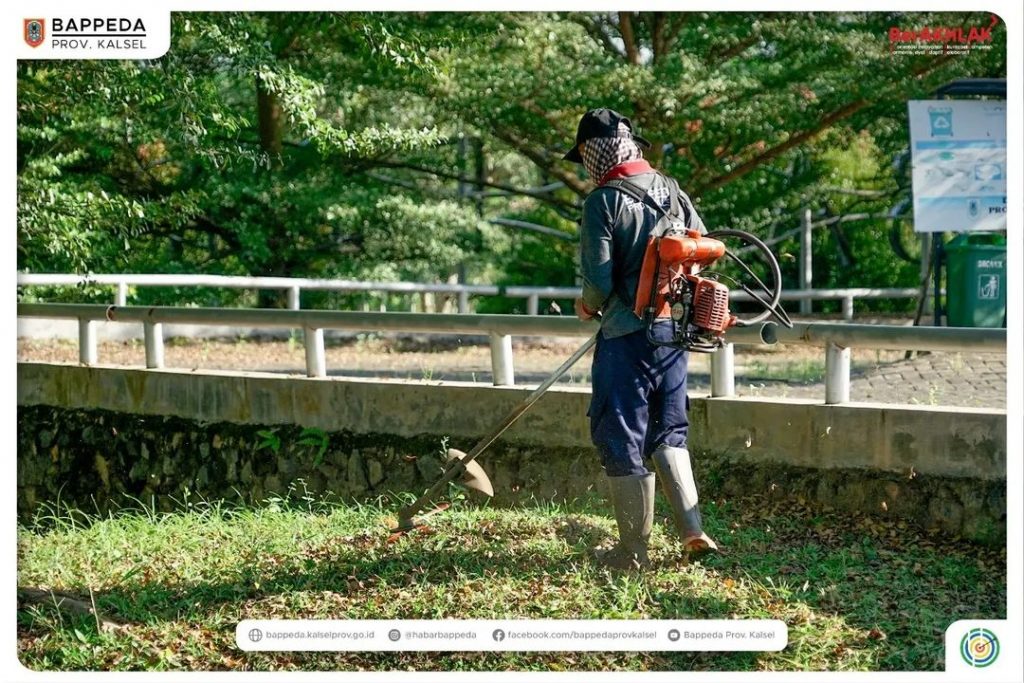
677,209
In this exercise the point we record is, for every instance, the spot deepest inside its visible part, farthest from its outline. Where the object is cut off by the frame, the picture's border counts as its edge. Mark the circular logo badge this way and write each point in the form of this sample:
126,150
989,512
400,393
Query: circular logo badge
979,647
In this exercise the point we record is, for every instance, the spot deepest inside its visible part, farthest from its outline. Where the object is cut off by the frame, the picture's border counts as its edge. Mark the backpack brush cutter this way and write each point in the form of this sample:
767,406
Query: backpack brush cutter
679,283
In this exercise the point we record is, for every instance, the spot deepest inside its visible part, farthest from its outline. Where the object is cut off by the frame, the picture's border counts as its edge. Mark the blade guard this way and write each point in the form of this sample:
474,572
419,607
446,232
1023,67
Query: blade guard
474,477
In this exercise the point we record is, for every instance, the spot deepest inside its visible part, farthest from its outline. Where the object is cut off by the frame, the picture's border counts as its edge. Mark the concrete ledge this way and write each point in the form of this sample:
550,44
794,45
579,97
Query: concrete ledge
939,441
942,441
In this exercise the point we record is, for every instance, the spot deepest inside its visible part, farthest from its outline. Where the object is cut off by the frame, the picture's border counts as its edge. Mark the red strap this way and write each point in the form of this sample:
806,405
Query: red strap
626,169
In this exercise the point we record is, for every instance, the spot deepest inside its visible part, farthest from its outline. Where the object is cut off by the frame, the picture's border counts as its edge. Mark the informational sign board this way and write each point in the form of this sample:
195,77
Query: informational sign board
958,153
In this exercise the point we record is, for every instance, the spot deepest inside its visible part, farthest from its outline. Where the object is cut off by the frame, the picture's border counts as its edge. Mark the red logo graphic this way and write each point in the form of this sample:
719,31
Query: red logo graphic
35,32
930,39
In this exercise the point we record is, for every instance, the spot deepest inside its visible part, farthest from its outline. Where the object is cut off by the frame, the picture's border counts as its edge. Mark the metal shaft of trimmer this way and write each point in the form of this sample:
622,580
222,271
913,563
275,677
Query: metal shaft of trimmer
457,467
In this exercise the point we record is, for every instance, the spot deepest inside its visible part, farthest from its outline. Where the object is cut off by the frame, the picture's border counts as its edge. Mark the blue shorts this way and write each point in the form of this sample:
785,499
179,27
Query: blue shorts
639,400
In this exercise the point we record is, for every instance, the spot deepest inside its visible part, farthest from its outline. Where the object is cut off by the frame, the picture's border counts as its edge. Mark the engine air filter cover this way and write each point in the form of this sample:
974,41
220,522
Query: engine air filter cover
711,305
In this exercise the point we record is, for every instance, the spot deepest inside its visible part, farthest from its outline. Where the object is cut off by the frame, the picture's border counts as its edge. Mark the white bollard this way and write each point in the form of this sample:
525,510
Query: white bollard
86,341
501,360
837,374
316,364
154,336
723,372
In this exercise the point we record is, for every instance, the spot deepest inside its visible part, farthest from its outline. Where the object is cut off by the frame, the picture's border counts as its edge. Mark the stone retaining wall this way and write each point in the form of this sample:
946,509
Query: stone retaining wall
101,436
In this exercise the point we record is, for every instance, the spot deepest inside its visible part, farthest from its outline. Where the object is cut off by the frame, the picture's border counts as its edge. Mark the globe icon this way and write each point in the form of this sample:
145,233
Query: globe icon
255,635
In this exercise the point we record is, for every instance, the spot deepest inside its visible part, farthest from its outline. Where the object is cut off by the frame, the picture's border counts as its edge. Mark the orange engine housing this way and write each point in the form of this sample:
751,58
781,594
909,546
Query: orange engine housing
711,305
684,256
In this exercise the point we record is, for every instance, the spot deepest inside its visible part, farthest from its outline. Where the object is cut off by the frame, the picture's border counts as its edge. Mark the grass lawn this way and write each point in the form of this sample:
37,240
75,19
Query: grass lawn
858,593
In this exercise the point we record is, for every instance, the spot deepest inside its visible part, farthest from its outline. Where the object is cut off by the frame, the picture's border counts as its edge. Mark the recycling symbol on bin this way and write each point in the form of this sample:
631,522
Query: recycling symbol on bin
941,120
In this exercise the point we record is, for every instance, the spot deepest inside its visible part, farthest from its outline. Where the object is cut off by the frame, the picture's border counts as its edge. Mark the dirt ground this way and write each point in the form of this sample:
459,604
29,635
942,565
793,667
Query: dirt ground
415,358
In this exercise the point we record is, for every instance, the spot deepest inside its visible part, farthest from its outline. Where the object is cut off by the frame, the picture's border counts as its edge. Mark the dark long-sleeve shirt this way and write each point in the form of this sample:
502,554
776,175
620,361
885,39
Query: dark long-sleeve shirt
613,238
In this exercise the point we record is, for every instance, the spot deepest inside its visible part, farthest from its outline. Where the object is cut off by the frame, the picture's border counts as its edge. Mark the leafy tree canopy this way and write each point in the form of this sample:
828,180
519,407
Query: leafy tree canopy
385,145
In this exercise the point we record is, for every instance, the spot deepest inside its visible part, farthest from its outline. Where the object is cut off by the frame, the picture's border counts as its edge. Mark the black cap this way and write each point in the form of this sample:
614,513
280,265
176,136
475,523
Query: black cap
601,123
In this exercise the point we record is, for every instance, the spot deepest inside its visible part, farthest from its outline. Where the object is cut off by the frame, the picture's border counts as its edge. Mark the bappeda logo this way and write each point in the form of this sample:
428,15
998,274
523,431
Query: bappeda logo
35,32
145,33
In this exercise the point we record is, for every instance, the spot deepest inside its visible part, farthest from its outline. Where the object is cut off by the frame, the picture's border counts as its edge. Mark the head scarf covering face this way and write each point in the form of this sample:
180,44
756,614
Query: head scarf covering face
600,155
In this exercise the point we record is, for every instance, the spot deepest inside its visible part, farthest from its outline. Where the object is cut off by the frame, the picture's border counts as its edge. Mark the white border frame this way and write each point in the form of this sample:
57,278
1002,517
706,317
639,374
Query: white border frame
1012,631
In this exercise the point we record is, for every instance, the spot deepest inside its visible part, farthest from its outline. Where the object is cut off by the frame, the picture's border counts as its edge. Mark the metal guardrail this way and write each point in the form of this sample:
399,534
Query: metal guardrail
294,287
836,338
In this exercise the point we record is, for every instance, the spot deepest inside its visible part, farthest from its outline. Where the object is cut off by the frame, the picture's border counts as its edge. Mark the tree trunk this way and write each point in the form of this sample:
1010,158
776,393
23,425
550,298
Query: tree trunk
480,166
271,125
657,37
628,38
271,121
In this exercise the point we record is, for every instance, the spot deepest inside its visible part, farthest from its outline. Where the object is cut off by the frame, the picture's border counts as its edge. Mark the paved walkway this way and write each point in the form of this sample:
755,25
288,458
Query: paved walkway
953,379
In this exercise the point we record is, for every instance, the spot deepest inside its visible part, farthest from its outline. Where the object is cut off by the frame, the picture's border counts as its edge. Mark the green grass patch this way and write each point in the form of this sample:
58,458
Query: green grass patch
802,370
857,593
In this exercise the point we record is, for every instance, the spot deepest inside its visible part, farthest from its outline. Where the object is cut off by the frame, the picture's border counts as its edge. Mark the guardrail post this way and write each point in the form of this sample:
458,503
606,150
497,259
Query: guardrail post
837,374
926,264
463,301
86,341
806,258
501,360
294,303
154,336
723,372
532,304
122,294
316,365
847,308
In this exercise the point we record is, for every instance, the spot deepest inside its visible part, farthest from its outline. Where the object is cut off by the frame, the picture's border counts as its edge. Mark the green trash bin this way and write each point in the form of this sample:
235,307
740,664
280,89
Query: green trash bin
976,280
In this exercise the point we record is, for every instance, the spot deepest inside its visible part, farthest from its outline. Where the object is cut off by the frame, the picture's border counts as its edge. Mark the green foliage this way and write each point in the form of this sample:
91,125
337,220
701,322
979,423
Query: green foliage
227,155
328,144
268,440
317,440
